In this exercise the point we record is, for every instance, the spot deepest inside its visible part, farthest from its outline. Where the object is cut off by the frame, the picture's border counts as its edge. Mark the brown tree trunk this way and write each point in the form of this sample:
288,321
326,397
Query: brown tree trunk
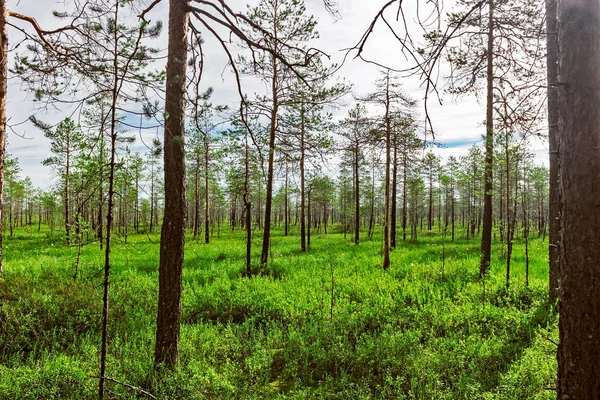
404,192
264,257
372,214
286,210
66,193
109,216
303,246
174,220
197,197
388,157
579,191
430,203
248,208
152,204
356,196
452,209
486,235
206,190
309,215
394,194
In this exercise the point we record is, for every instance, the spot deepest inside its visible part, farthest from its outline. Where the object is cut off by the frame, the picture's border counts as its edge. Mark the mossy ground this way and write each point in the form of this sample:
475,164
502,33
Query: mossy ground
327,324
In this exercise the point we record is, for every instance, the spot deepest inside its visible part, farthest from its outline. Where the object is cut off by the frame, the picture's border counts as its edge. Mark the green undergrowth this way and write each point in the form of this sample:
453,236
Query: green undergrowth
326,324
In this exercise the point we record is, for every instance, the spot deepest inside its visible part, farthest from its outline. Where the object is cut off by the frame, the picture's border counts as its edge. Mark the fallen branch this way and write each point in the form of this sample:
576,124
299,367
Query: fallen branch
127,385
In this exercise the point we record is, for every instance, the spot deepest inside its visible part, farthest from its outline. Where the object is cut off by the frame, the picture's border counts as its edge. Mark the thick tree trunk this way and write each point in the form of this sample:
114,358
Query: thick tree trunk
486,235
579,194
554,223
174,220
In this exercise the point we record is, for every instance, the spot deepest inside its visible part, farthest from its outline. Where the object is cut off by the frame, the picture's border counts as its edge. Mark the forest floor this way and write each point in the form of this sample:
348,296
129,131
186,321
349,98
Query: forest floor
326,324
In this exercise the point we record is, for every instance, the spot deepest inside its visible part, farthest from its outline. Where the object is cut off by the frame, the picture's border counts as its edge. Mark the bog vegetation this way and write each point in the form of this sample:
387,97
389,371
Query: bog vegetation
329,323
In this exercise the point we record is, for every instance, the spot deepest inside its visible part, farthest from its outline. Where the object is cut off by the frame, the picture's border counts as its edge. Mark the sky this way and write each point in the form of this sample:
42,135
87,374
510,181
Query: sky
458,123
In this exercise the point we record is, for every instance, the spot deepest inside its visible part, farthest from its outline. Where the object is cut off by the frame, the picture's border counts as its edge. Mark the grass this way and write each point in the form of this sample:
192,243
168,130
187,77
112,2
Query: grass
327,324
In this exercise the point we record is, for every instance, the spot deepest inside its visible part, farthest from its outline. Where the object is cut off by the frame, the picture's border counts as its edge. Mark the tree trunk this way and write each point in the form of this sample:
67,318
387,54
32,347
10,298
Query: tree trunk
174,220
264,257
248,208
579,191
404,192
430,204
109,215
136,218
452,210
303,246
66,193
197,197
486,235
206,190
388,156
308,222
394,194
372,214
286,210
356,196
152,203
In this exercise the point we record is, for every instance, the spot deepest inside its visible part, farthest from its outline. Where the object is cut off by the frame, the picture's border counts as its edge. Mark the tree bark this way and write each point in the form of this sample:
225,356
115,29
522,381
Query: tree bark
404,193
264,257
394,193
67,190
109,213
303,246
309,220
197,196
286,210
356,196
174,220
388,156
372,213
486,234
248,208
206,188
579,194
